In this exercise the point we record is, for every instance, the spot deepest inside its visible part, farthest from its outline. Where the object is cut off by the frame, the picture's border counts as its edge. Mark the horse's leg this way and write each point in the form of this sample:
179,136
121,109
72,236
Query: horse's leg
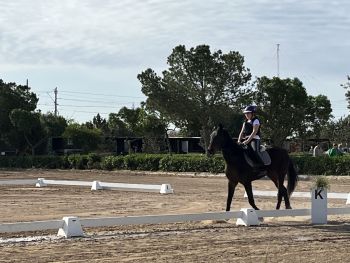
249,189
282,190
286,197
231,191
278,180
274,179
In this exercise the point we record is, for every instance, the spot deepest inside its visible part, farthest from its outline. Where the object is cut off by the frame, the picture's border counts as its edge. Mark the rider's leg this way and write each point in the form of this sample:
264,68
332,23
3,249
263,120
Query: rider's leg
255,144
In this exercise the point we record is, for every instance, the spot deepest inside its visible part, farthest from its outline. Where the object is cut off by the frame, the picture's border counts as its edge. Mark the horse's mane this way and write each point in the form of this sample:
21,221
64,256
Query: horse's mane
229,143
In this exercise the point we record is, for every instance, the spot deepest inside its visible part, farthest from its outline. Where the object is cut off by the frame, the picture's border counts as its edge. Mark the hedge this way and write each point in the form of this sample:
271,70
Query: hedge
305,164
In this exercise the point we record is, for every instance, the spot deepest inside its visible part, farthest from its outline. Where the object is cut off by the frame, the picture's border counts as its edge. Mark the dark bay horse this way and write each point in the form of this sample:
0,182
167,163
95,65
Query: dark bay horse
237,169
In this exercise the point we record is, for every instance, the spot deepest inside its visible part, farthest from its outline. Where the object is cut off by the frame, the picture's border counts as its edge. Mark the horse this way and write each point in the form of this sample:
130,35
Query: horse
238,170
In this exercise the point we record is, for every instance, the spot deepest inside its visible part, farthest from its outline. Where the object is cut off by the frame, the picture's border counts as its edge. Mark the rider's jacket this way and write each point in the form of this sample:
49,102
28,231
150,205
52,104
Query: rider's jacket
248,127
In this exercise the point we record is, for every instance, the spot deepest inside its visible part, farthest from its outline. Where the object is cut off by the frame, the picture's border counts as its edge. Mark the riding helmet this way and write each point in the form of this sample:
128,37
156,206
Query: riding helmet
250,108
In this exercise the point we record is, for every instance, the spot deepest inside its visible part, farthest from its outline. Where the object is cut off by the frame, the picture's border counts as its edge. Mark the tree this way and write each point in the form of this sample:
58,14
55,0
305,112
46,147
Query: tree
140,122
283,105
83,137
132,118
100,123
13,96
347,87
28,124
36,128
337,131
195,85
318,114
54,125
116,126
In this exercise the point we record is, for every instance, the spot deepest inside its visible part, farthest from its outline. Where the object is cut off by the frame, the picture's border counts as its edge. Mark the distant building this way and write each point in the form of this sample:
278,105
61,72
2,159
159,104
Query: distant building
186,145
61,146
125,145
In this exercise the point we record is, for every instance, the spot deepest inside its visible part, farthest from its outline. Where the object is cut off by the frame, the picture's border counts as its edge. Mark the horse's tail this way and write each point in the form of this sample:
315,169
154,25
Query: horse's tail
292,178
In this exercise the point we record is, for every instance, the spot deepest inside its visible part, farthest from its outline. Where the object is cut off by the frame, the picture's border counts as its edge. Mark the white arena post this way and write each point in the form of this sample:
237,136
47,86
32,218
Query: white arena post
40,182
96,185
249,218
319,206
166,189
71,227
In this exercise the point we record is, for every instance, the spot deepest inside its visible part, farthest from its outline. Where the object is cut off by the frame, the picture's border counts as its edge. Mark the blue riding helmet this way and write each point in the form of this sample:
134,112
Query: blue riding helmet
250,109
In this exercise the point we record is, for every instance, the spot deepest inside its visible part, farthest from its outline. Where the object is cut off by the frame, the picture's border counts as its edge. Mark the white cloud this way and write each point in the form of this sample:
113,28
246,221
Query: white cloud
108,32
131,35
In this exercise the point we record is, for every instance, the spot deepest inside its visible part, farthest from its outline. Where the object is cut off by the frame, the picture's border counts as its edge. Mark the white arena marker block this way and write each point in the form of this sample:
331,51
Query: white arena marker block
96,185
348,200
166,189
319,206
40,182
71,227
249,218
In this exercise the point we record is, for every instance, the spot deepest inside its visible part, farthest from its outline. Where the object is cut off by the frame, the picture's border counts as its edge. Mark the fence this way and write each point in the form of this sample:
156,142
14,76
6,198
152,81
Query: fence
72,226
95,185
345,196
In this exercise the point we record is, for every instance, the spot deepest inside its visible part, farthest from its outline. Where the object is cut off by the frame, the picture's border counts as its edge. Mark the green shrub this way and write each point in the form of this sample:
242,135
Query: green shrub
323,165
107,163
93,161
78,161
192,163
306,164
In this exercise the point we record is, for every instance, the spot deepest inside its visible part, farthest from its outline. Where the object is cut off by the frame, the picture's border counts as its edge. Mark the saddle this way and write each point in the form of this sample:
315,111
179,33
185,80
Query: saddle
251,157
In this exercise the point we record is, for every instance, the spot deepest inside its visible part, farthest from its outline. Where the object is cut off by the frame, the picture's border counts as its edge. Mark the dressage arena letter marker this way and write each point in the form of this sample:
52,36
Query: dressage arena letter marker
318,193
319,206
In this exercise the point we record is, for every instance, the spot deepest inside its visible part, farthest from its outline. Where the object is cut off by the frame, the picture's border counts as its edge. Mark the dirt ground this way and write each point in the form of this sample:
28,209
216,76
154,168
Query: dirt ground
291,239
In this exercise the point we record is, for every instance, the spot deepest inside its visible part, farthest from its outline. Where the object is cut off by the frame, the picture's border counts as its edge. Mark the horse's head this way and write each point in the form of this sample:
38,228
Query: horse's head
218,139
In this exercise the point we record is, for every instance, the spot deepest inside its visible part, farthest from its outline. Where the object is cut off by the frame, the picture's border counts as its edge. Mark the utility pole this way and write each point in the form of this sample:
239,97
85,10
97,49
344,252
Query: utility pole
278,60
55,101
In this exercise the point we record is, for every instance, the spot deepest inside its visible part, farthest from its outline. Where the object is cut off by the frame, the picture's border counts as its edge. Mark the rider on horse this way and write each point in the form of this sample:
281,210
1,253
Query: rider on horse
250,132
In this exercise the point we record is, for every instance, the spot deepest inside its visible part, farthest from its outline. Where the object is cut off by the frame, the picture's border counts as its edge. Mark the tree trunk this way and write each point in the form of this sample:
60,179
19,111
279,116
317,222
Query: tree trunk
205,132
168,141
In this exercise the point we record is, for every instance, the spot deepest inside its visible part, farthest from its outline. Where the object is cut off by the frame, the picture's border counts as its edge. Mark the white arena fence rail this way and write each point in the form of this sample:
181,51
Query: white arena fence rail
95,185
19,182
262,193
72,226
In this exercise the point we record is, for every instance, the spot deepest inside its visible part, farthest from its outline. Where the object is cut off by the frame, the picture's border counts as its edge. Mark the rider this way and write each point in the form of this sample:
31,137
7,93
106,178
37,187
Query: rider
250,132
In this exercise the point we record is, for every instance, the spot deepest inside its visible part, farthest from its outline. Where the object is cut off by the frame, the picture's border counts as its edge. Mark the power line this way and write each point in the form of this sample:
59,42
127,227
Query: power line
112,102
101,94
86,106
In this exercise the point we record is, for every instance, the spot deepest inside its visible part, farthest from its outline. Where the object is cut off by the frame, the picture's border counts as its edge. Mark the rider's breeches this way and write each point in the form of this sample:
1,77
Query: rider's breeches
255,144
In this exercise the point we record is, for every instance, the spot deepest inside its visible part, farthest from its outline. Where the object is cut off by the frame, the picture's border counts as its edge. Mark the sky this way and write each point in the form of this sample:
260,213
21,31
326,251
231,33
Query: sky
93,50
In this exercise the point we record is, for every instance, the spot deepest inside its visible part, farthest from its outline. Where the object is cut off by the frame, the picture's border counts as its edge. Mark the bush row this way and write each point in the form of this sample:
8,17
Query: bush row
161,162
323,165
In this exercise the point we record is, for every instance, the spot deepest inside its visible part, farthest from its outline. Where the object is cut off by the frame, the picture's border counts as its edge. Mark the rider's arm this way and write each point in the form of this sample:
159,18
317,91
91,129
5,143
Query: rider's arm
240,137
251,136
